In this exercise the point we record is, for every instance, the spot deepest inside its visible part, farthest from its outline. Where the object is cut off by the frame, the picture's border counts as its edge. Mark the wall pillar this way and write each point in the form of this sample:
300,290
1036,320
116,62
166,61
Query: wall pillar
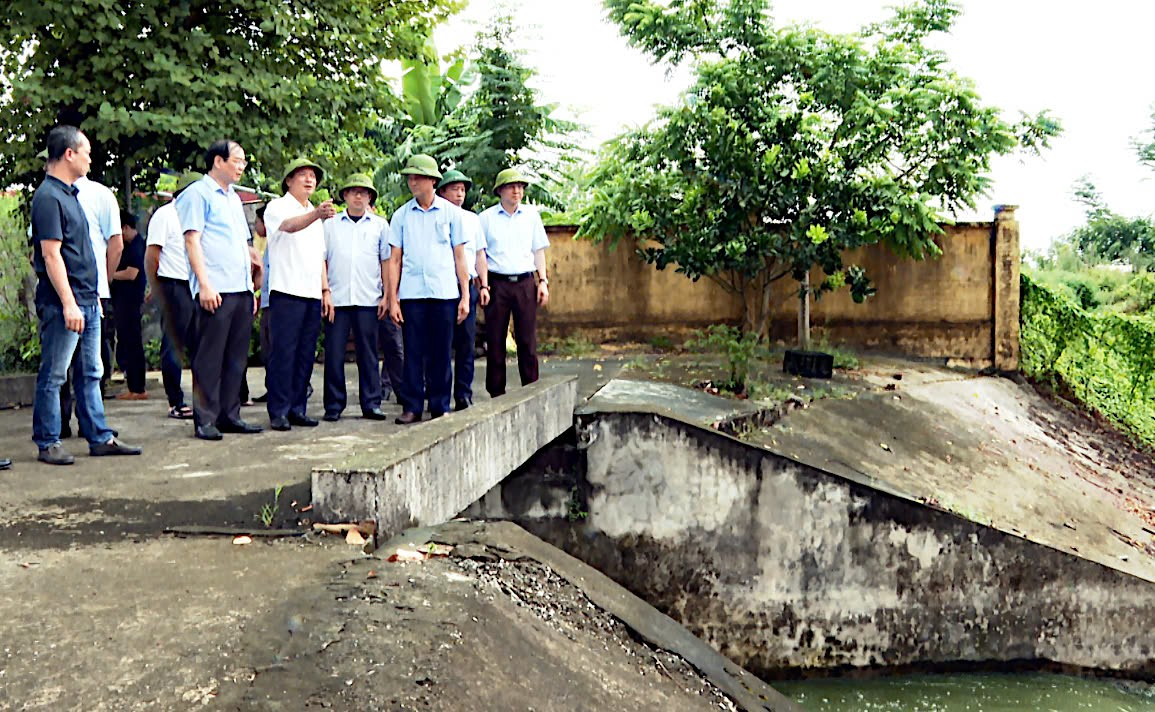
1005,255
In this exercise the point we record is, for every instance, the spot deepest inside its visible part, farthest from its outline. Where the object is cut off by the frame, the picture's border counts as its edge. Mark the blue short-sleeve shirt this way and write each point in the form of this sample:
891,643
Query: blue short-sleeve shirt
427,239
512,240
218,215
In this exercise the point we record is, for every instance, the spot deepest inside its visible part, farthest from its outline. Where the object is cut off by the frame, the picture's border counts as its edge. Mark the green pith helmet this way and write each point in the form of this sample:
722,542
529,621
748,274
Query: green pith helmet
509,175
421,165
298,164
186,179
358,180
455,176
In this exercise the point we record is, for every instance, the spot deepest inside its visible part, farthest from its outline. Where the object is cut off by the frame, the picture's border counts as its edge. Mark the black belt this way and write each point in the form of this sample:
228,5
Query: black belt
510,277
171,279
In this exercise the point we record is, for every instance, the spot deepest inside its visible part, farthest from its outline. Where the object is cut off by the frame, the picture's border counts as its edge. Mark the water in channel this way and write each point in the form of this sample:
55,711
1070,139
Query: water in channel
971,693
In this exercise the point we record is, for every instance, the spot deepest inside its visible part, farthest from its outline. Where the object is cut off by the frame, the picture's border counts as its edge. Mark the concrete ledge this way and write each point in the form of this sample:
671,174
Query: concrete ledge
17,390
428,473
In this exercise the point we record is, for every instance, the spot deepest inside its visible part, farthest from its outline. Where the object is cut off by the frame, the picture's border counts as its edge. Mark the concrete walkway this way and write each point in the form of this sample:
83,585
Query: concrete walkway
100,610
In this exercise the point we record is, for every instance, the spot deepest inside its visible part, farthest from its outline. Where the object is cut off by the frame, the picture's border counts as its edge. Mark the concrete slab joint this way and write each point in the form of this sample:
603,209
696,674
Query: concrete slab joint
427,474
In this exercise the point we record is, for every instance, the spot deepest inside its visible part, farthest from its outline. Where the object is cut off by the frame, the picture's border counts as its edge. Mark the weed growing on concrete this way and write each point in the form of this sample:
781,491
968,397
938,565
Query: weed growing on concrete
735,345
574,346
269,511
574,507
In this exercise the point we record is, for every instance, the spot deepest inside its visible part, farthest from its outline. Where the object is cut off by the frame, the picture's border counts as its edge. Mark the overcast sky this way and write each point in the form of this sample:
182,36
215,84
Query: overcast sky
1089,63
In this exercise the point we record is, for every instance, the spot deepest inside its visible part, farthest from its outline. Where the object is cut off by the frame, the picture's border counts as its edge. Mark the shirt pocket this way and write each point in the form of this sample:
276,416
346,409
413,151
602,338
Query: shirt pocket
442,233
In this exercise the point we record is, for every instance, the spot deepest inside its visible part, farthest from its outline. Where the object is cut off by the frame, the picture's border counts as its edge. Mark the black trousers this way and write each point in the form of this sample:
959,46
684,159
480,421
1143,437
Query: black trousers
129,340
177,311
362,321
294,330
392,357
519,300
428,373
464,340
219,361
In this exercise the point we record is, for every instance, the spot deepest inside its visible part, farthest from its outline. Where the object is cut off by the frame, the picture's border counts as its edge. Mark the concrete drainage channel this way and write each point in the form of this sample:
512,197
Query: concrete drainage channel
787,569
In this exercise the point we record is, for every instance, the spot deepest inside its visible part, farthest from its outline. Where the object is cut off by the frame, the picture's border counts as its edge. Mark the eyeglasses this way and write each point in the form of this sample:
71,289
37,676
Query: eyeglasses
240,162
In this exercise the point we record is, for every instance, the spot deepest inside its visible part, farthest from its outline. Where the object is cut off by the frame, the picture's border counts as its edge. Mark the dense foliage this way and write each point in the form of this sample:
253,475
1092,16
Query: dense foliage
479,114
152,82
794,145
1102,359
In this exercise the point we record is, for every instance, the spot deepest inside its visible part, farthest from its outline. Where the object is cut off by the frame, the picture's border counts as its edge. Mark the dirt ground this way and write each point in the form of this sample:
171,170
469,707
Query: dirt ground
100,609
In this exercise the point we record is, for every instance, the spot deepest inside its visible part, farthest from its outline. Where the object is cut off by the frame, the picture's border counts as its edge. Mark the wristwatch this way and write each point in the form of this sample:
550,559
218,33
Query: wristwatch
543,280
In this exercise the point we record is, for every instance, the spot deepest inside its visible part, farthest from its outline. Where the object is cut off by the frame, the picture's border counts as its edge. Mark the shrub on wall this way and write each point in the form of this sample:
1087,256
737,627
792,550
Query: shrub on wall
19,340
1104,360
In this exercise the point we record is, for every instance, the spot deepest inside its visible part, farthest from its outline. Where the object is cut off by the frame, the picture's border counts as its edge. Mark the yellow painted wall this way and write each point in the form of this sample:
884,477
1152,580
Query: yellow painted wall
941,308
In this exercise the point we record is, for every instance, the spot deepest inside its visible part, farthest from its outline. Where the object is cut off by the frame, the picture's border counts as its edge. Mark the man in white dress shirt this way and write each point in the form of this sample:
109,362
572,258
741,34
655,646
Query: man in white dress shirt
515,252
298,298
454,187
356,255
166,264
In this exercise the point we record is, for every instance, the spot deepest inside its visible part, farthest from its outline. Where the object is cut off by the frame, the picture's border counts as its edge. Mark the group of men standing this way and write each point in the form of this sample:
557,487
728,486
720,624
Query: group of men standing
412,283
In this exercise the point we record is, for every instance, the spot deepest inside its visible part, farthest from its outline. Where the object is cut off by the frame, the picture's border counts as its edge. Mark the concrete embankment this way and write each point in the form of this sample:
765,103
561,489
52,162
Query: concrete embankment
804,548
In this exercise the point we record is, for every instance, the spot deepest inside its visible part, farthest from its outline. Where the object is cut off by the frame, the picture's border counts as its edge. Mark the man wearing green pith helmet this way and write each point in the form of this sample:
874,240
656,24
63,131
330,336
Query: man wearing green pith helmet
356,251
298,291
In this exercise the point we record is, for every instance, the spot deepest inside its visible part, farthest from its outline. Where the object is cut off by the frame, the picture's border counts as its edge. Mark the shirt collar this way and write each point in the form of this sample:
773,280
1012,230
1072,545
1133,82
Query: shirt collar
435,205
70,188
501,209
213,185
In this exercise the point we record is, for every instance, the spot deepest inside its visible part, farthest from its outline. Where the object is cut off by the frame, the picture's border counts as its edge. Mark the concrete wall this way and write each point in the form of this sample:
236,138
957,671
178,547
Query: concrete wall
938,308
428,473
782,566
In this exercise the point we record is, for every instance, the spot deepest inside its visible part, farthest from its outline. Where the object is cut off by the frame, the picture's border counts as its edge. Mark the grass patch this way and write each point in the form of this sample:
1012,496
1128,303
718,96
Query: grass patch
574,346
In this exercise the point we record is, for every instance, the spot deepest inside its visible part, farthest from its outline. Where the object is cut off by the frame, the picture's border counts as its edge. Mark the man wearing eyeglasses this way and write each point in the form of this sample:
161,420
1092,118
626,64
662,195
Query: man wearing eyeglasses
216,234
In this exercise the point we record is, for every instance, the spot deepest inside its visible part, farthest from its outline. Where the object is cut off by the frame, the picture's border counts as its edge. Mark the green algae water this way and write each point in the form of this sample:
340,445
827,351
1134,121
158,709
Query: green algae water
971,693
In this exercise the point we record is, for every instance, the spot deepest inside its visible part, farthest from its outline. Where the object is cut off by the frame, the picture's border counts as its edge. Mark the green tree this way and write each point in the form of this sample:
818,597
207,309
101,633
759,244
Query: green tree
1145,145
793,145
1108,237
510,124
152,81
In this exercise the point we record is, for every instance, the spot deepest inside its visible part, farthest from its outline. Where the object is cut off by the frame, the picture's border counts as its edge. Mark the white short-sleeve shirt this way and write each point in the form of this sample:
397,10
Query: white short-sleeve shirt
164,231
103,213
296,259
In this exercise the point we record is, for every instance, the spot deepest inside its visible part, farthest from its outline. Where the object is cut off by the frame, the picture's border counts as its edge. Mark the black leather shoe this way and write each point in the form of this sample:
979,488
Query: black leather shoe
5,464
56,455
407,418
331,417
435,416
208,432
374,414
281,424
239,426
302,420
461,405
112,447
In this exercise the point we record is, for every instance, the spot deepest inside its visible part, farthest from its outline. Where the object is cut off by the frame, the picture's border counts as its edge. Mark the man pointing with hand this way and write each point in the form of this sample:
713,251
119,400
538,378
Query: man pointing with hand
298,291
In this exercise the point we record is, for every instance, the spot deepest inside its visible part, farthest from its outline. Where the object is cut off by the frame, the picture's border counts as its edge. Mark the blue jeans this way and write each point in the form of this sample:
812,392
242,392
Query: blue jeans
57,345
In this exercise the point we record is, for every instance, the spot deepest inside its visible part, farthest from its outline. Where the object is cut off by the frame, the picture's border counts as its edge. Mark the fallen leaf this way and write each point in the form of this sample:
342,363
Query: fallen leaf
597,367
371,575
884,446
242,540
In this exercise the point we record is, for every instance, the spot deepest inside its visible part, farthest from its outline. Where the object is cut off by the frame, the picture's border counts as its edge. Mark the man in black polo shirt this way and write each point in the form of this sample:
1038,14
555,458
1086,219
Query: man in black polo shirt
67,303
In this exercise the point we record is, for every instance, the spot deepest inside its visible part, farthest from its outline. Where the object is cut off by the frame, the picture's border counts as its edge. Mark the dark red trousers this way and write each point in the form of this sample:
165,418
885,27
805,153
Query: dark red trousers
519,300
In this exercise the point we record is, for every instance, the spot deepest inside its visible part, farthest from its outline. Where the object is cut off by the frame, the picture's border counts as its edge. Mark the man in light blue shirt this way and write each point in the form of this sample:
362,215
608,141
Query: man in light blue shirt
356,254
429,290
515,242
454,187
217,240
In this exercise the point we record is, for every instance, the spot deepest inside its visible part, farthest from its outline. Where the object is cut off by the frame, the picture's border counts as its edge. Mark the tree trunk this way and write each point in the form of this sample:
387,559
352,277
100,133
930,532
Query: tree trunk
128,186
804,313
